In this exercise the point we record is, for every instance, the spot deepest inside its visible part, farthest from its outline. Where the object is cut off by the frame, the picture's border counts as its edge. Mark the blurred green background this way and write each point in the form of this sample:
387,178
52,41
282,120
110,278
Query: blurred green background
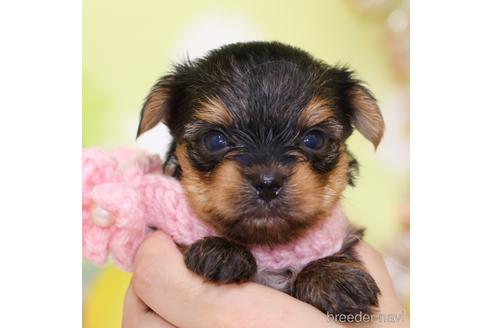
127,45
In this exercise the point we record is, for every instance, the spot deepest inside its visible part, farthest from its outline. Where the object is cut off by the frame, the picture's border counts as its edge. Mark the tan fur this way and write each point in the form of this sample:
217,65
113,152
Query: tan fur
336,180
229,180
367,117
154,110
318,110
208,194
194,183
307,189
214,111
151,116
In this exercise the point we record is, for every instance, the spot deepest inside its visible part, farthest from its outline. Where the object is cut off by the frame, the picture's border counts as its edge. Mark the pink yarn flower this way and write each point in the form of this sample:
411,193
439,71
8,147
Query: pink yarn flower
112,216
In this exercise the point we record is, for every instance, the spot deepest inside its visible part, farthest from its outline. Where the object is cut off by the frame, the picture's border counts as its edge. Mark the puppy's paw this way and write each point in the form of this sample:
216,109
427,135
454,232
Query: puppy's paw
219,260
337,285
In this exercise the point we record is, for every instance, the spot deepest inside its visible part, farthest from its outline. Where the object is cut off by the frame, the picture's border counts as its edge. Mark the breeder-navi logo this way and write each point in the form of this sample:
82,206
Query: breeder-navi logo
364,317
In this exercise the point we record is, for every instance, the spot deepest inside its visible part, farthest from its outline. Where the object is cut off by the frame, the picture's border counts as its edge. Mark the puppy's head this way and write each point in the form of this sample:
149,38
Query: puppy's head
259,137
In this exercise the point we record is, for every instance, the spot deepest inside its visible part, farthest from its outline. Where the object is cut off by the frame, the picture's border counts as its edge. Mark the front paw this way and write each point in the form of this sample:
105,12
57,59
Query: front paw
337,285
219,260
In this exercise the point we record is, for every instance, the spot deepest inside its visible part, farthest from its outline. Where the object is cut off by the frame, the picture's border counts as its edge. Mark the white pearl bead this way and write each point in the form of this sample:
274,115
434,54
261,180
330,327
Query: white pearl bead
101,217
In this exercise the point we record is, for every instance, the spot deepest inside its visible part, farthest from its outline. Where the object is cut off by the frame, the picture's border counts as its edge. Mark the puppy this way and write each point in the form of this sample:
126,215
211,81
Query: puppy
260,131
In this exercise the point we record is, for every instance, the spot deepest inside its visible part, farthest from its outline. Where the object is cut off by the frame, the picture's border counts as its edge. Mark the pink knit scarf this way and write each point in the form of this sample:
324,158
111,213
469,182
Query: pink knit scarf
124,193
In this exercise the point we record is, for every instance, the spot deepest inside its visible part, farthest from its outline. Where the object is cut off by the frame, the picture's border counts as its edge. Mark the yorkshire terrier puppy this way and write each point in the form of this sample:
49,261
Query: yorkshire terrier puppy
259,143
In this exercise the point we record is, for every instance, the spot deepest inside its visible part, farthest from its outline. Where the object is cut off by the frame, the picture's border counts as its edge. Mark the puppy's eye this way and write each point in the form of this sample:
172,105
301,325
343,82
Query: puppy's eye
215,141
314,140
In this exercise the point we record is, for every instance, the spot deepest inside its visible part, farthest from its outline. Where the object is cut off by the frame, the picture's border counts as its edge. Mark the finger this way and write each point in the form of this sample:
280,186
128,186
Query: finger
388,300
255,305
374,263
163,282
137,314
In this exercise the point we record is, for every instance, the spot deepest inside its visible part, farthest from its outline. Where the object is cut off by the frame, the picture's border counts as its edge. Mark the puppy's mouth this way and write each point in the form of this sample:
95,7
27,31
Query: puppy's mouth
259,222
252,208
262,229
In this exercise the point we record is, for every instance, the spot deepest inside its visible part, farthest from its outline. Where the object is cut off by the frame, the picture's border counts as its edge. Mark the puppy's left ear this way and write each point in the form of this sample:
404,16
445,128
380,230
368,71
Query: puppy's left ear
366,116
156,107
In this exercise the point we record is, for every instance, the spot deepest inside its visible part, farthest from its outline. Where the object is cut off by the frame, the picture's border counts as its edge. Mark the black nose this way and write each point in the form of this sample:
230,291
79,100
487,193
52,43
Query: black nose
268,185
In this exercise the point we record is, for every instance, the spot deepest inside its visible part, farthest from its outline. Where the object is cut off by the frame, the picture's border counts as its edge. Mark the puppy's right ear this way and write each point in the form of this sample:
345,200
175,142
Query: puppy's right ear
156,106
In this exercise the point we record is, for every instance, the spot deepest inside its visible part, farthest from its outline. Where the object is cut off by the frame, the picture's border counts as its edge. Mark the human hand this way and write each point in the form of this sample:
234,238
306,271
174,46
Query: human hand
164,293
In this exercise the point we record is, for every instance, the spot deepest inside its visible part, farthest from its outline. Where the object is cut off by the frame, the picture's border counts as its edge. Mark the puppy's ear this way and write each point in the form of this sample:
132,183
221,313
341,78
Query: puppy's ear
156,105
366,116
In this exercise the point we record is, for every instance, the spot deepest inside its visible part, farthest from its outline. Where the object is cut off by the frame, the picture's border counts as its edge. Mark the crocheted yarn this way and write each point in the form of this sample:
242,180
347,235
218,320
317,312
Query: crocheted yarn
124,194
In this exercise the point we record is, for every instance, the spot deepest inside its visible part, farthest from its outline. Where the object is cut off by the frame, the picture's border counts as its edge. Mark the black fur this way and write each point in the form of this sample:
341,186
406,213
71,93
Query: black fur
353,169
219,260
265,85
171,165
338,284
